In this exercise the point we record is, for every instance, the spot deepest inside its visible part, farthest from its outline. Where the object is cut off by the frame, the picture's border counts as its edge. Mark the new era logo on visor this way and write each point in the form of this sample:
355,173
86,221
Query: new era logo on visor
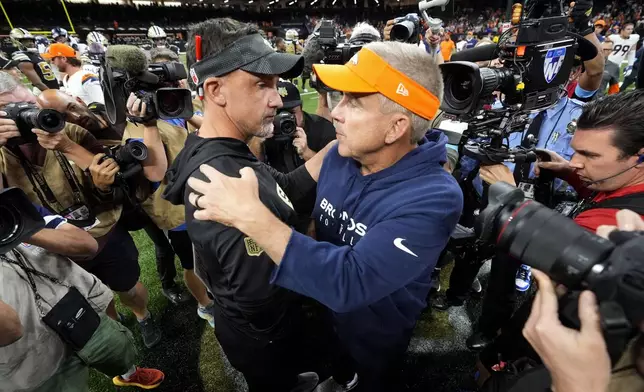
402,90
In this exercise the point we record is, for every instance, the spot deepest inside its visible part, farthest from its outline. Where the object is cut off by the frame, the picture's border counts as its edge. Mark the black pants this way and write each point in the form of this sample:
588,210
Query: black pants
274,366
500,297
630,79
266,365
164,254
466,266
386,376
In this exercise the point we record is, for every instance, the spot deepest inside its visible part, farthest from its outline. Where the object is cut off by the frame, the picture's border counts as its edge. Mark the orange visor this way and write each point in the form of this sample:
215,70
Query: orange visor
367,72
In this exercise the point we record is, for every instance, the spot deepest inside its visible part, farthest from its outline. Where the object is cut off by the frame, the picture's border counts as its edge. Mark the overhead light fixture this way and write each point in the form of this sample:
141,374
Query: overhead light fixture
292,2
250,1
226,1
334,2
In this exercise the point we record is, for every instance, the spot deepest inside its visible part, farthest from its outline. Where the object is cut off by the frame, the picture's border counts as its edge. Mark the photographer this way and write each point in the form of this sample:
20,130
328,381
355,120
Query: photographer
607,169
41,287
42,168
429,43
314,53
167,221
93,118
553,129
384,211
312,134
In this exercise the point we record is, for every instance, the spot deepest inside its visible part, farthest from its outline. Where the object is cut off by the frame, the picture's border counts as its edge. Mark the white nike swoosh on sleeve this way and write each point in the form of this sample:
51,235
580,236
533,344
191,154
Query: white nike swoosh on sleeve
398,243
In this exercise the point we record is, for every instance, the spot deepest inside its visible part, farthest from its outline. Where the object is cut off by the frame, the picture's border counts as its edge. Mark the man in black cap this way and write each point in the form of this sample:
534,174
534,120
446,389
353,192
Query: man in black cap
286,152
258,324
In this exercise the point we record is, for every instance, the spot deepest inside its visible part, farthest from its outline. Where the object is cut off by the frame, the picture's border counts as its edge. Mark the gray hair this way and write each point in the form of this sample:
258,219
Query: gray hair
163,53
364,29
420,68
8,83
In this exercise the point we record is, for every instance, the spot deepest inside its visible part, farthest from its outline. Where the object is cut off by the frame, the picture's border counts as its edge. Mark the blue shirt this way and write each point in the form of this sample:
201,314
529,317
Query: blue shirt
553,135
378,239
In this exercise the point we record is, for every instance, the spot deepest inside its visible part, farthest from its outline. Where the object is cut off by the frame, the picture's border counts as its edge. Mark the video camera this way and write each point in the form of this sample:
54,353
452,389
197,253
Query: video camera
408,29
126,71
571,255
28,116
129,157
537,55
284,126
19,219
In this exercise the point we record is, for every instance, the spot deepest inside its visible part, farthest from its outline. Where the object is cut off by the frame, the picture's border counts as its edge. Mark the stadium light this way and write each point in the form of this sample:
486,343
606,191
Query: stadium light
292,2
334,2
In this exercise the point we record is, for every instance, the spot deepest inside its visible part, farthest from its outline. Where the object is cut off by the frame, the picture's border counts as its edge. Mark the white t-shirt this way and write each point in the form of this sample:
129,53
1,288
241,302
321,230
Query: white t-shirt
623,48
84,85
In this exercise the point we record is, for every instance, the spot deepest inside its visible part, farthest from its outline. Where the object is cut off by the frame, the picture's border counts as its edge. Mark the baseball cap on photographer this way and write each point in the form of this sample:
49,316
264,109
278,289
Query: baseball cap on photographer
367,72
250,53
58,50
289,93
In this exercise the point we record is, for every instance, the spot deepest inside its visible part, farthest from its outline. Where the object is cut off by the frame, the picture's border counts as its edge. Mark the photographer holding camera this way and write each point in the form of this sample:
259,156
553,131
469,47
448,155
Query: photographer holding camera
607,170
50,166
553,129
384,211
52,312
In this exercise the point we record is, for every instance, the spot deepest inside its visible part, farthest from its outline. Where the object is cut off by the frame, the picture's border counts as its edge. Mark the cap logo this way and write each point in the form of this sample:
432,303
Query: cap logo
282,92
193,75
402,90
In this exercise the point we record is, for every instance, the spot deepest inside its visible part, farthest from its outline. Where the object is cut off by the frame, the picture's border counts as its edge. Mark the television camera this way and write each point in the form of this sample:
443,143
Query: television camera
126,70
407,28
536,56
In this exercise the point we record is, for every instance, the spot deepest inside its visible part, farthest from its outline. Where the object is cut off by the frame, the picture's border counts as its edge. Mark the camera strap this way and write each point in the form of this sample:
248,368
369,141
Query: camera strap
522,171
634,202
40,185
21,263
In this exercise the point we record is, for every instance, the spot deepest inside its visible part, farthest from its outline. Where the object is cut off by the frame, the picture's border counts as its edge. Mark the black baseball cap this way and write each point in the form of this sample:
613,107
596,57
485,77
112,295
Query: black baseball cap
250,53
289,93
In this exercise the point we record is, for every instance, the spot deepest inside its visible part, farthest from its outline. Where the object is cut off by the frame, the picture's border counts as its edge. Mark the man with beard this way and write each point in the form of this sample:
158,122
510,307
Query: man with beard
258,323
93,117
78,82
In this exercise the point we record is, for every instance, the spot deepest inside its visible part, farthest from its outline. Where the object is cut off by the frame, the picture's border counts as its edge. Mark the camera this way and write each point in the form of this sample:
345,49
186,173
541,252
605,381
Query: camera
284,126
28,116
336,52
571,255
406,29
129,157
161,96
125,70
536,63
19,219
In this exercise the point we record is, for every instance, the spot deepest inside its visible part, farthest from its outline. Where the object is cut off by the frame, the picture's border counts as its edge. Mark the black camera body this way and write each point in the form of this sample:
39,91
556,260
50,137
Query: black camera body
571,255
163,99
19,219
28,116
406,29
129,157
284,126
535,67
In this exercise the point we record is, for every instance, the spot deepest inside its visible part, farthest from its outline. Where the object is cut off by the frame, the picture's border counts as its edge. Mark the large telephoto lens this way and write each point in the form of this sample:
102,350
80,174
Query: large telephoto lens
402,31
48,120
541,237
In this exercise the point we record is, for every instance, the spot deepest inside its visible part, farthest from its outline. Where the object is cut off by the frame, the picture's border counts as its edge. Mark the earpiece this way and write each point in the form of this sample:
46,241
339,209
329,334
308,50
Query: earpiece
640,159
